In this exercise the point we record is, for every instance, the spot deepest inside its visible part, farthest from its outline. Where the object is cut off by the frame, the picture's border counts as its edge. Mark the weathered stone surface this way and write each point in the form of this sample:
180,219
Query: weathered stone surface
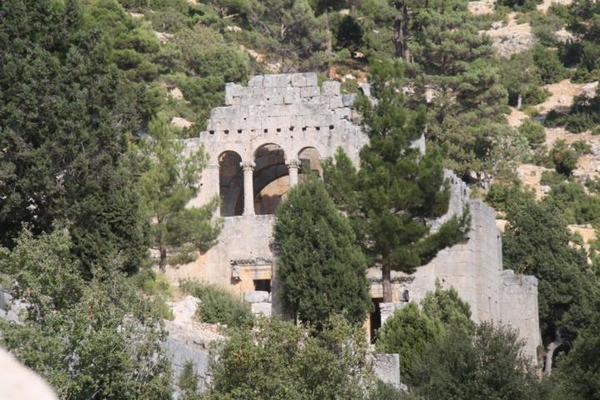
311,79
256,297
387,368
330,88
262,308
309,91
256,81
18,382
388,309
298,80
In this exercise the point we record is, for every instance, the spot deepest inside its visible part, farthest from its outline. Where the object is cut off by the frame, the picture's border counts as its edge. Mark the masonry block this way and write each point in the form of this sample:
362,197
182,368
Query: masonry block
336,102
309,91
330,88
348,99
292,95
342,113
256,296
298,80
261,308
387,368
388,309
256,81
311,79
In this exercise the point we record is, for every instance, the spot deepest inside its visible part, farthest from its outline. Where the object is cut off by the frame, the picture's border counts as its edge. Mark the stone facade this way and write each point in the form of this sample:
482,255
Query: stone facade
280,127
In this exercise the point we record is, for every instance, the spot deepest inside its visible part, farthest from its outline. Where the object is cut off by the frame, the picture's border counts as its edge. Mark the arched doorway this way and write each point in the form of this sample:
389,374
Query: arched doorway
271,179
231,184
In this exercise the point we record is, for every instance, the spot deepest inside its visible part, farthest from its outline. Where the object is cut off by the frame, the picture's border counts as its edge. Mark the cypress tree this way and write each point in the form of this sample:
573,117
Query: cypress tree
321,269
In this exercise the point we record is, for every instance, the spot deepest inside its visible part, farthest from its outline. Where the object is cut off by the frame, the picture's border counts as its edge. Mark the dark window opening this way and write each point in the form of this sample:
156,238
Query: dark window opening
375,319
262,285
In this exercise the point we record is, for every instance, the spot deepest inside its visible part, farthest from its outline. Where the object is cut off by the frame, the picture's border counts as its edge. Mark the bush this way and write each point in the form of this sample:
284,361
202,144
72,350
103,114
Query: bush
217,305
581,147
548,64
564,158
534,132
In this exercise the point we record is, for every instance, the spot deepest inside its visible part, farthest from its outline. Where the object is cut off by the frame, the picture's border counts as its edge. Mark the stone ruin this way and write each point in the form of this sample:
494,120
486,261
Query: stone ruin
266,138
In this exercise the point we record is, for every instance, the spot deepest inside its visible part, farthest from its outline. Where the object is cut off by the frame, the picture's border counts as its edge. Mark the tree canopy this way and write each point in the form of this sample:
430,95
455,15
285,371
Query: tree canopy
321,268
398,189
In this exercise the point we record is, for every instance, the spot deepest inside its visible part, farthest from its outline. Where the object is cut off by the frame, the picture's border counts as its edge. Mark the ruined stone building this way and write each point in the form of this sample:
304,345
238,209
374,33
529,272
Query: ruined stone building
262,142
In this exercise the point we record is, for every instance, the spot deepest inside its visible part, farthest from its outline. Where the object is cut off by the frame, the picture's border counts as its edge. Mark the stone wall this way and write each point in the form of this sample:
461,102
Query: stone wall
519,308
290,110
474,269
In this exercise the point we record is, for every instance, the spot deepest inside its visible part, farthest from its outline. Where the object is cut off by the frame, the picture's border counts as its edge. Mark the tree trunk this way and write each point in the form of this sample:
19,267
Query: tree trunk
163,259
401,31
550,353
386,284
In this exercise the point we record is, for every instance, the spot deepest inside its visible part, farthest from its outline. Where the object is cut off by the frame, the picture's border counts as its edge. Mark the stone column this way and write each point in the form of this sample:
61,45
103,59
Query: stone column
248,167
293,166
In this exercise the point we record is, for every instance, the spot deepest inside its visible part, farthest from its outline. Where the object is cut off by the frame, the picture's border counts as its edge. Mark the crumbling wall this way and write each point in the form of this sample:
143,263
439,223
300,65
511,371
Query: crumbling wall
288,110
519,308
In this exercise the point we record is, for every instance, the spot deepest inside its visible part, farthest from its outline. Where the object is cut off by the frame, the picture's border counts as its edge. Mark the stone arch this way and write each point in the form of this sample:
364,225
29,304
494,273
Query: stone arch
231,184
310,161
270,178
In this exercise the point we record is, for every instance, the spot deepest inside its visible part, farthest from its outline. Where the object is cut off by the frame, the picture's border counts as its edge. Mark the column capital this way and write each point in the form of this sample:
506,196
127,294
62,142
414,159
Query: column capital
247,165
293,163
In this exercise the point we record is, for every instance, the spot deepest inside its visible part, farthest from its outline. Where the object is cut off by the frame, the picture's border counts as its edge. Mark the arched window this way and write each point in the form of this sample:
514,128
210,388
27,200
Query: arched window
231,184
271,179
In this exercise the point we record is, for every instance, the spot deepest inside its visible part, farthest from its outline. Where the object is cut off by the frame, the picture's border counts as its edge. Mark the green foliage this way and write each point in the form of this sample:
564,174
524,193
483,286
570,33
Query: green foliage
537,241
397,188
94,339
411,329
64,136
486,365
279,360
549,67
521,5
321,268
169,183
563,157
290,30
576,205
188,382
534,132
407,333
448,310
578,373
583,115
218,306
501,195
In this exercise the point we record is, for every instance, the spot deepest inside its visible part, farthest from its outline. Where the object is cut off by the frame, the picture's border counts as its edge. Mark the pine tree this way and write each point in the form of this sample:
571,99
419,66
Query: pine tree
170,182
398,190
321,269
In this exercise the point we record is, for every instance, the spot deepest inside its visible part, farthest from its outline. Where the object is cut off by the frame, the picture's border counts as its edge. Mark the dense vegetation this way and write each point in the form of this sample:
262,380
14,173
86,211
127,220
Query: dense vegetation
91,177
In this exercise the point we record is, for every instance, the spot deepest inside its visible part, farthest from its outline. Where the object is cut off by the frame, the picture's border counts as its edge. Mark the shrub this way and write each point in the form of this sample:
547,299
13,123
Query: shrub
217,305
581,147
564,158
548,64
534,132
